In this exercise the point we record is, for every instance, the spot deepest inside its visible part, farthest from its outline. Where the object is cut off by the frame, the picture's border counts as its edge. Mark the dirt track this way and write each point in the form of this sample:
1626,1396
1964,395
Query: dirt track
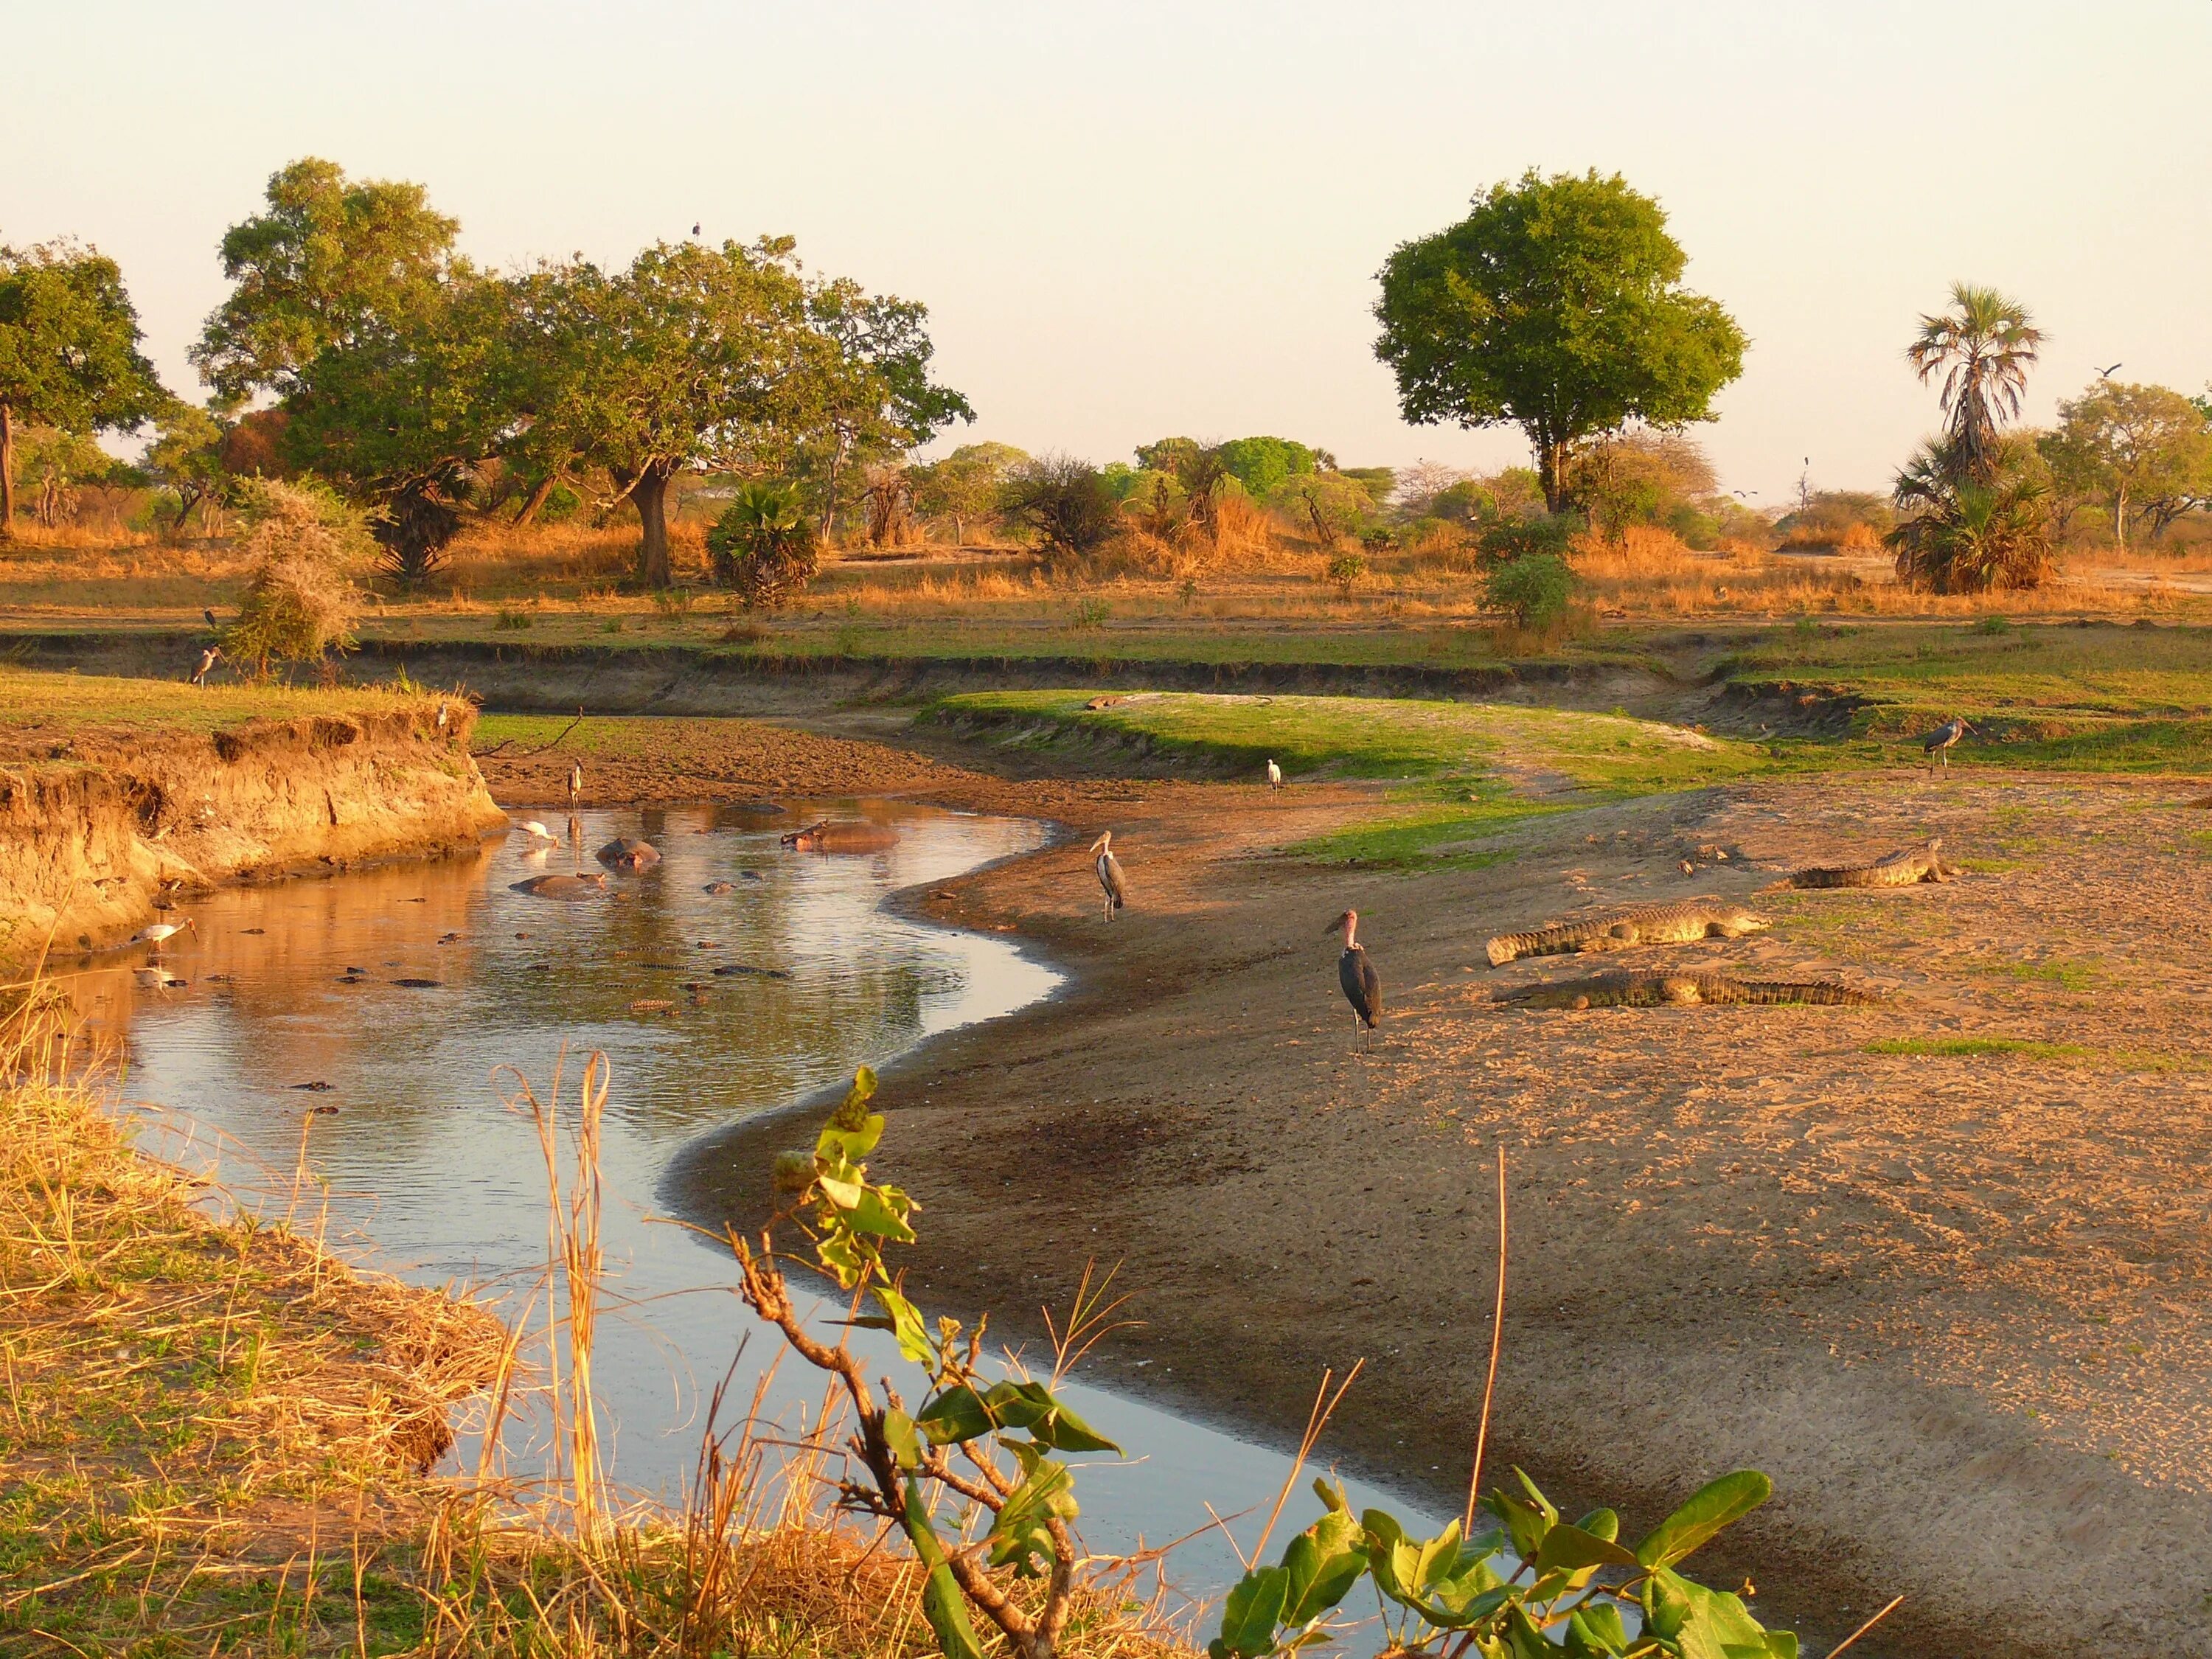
1954,1303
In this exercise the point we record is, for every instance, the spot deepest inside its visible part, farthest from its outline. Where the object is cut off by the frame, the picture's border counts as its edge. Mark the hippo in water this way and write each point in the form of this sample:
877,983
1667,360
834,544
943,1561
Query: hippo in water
626,852
844,838
721,887
562,887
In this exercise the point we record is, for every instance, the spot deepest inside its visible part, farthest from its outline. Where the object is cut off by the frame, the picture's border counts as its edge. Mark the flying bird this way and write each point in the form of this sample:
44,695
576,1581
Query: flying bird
1363,986
1936,745
1274,775
2106,374
1109,874
209,658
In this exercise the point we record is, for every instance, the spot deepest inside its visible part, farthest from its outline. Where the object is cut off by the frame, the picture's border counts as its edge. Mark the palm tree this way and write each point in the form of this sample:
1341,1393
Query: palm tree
1970,535
1983,347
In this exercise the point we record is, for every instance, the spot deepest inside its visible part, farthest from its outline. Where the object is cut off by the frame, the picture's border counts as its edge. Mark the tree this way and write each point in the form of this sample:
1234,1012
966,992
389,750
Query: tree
329,258
1556,305
764,545
1263,465
724,357
403,413
1639,477
50,463
1983,348
1972,531
69,351
2143,447
186,456
1065,501
965,484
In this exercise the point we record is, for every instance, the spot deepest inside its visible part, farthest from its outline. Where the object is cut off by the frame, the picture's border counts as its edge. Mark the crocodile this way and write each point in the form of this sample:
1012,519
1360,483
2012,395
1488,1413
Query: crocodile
1649,924
1900,869
1649,990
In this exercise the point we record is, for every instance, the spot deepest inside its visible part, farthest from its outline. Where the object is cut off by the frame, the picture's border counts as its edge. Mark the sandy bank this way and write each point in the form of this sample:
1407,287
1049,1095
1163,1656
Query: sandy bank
100,823
1939,1266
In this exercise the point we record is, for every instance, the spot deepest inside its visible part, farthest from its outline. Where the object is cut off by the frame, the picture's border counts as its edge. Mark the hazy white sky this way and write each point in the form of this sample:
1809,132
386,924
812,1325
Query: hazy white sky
1139,219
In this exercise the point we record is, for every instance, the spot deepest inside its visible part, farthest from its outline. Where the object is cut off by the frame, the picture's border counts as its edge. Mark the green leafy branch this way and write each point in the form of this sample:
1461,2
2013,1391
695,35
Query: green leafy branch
1007,1433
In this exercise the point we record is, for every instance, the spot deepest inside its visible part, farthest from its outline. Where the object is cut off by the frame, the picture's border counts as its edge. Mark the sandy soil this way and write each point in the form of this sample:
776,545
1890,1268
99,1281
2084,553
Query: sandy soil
1954,1303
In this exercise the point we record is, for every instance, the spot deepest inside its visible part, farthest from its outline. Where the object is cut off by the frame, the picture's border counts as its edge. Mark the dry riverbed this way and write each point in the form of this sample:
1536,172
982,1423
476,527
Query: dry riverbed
1939,1265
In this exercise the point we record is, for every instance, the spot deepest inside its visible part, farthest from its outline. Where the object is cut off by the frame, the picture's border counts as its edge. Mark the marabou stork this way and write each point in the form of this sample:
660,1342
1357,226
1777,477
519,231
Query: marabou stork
1362,986
1274,776
1936,745
209,659
1109,874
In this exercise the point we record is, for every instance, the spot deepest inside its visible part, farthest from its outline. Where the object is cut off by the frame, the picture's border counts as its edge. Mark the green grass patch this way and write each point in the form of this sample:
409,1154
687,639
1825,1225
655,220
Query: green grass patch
34,699
1433,838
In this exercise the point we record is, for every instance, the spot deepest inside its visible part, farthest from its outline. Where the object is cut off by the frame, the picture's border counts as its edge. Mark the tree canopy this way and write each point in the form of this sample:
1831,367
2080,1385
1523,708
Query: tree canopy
2142,448
69,351
329,258
1556,305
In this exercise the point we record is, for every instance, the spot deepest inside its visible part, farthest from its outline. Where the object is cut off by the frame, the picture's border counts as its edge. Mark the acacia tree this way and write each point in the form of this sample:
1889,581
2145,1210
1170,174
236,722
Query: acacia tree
1557,306
328,259
2135,446
965,484
69,351
186,456
724,357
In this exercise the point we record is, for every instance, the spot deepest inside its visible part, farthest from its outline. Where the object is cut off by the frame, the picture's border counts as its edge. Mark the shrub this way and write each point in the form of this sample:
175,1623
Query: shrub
764,545
305,543
1507,539
1533,588
1066,503
1347,570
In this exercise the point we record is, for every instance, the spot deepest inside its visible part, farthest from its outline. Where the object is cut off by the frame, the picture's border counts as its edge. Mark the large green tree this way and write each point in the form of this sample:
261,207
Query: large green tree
328,259
721,357
1556,305
2137,448
69,351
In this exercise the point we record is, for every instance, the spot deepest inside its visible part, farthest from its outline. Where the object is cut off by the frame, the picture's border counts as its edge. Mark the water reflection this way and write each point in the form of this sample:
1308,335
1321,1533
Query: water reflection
301,984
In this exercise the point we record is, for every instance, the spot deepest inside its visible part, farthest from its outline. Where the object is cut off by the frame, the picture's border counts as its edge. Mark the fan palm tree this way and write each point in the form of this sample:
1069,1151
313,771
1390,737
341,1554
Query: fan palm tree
1981,348
1967,535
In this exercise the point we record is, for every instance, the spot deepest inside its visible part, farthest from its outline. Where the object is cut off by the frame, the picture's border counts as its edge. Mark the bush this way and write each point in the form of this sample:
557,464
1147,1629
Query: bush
1347,570
300,600
1506,540
1534,588
764,545
1066,501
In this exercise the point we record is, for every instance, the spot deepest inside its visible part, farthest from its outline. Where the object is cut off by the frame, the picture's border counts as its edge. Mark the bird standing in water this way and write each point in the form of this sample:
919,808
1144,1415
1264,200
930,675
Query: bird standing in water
1109,874
161,932
1936,745
575,783
1362,986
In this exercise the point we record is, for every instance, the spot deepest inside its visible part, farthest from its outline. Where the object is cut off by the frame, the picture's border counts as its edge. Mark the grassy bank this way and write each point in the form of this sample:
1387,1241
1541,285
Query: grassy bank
215,1440
36,700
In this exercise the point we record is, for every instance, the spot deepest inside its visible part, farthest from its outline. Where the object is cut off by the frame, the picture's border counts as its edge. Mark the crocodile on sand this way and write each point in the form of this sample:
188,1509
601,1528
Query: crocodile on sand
1649,924
1664,990
1900,869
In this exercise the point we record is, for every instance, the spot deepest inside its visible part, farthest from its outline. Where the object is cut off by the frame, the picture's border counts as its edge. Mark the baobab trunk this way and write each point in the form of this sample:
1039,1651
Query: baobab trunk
7,473
650,496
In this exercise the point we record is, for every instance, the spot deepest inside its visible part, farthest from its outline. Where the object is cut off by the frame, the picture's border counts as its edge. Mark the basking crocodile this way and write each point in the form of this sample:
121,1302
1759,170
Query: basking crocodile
1900,869
1662,990
1649,924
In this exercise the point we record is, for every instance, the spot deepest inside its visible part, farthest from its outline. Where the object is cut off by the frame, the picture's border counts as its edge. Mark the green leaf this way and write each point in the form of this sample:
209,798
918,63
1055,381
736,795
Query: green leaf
1602,1523
1523,1639
1781,1644
1018,1537
905,1321
942,1604
1524,1524
850,1145
899,1436
1323,1562
1705,1624
1251,1615
955,1414
1032,1405
1596,1630
1712,1508
1571,1548
846,1261
1544,1505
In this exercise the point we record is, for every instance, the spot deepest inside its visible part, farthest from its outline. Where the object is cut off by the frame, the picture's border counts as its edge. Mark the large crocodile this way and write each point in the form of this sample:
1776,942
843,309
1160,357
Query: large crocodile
1900,869
1662,990
1649,924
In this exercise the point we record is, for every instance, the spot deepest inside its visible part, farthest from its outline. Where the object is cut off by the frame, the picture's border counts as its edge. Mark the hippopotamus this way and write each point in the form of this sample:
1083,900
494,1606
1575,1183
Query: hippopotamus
845,837
718,887
626,852
562,887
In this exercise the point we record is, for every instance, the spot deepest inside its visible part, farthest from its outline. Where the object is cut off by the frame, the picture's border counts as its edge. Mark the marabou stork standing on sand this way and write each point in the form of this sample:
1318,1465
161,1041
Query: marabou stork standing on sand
1109,874
1362,986
1274,776
1936,745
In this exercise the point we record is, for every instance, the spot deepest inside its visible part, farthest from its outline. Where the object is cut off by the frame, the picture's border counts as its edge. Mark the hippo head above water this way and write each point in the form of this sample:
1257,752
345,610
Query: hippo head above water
626,852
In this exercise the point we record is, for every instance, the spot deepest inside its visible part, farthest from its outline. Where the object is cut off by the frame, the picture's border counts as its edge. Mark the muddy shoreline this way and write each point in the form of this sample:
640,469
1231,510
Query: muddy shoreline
1740,1237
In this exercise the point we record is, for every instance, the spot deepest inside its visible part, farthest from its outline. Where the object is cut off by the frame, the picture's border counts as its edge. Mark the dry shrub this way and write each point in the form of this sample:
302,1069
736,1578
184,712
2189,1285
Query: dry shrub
305,544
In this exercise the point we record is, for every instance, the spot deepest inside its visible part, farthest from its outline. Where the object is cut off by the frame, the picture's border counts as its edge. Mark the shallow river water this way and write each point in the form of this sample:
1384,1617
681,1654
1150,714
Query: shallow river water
431,1175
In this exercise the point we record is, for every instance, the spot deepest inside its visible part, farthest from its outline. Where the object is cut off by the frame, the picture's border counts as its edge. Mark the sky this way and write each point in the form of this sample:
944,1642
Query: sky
1136,220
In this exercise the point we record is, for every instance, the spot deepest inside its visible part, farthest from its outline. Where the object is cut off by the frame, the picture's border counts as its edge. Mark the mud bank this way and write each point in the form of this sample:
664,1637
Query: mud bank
671,679
97,830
